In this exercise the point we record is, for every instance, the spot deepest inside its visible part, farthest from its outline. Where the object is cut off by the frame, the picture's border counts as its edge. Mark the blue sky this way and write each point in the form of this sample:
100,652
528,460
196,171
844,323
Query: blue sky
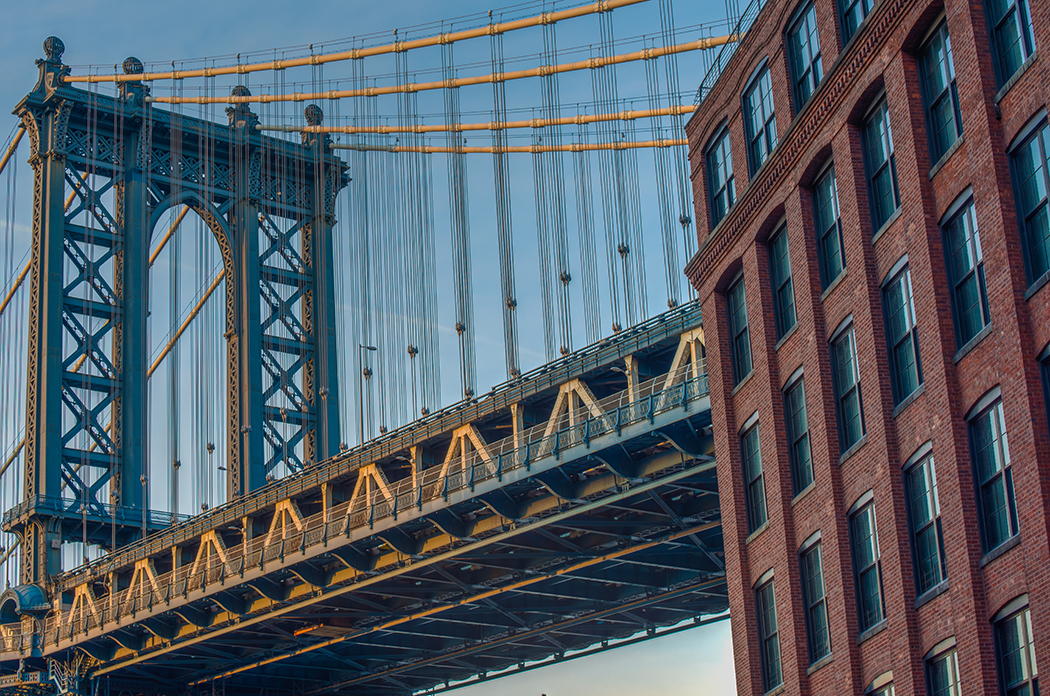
693,663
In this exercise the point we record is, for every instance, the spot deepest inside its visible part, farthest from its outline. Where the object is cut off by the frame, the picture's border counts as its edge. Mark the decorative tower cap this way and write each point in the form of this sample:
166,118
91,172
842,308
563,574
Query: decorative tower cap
54,48
132,66
313,115
240,91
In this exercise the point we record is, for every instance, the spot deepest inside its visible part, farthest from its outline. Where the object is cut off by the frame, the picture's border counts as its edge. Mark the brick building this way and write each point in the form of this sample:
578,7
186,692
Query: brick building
871,184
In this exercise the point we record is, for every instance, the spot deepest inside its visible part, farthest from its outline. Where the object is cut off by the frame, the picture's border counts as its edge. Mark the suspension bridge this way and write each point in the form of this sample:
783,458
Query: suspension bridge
275,491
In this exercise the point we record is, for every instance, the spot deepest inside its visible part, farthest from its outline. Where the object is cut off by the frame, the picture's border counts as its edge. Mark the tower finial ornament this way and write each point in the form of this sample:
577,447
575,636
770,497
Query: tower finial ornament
54,48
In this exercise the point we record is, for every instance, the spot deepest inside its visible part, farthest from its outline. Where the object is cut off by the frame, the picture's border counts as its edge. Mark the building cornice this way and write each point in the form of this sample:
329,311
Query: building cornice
837,85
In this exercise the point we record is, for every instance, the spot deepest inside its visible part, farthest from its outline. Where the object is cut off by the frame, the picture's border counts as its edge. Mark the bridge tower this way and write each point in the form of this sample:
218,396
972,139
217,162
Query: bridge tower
105,171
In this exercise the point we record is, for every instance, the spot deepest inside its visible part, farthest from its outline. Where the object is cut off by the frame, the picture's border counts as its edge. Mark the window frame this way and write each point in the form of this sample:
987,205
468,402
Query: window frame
992,403
845,8
965,209
767,637
720,141
783,288
880,105
768,137
865,505
1017,609
1038,131
846,332
834,231
901,273
735,332
950,91
1026,36
754,477
795,384
946,650
809,547
815,66
923,459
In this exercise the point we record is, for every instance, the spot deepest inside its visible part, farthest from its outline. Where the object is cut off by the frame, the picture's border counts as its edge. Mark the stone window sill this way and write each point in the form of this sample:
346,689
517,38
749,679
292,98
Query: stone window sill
834,284
786,336
947,155
803,493
741,383
872,632
932,593
753,535
919,391
826,660
887,225
853,449
972,343
775,690
1000,549
1016,77
1037,286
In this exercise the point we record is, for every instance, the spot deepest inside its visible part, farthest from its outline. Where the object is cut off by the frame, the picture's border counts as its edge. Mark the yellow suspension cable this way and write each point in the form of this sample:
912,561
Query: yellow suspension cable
359,53
12,147
578,119
574,147
541,71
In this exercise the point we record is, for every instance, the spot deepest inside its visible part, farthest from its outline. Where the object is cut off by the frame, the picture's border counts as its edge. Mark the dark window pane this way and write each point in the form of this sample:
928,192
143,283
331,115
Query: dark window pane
847,389
1011,23
991,453
756,491
966,274
829,229
741,341
941,95
798,436
902,335
853,13
1033,180
804,47
1016,651
759,119
765,605
783,292
881,166
924,515
720,177
816,606
866,568
943,674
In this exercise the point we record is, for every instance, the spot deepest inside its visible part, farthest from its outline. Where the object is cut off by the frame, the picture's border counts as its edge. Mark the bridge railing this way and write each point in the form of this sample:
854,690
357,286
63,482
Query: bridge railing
357,517
728,50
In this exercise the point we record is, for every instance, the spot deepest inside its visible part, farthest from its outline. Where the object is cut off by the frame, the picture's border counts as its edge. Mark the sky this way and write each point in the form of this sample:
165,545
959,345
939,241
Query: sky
697,662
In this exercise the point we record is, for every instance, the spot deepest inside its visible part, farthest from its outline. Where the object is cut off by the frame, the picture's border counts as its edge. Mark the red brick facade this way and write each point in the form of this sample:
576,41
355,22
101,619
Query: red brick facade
880,56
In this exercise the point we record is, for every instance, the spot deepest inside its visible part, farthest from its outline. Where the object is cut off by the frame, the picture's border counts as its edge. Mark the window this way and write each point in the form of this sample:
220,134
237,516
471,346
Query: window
720,177
1044,361
804,50
883,691
903,338
881,165
740,347
866,565
966,275
798,435
750,451
780,273
769,648
991,454
846,378
943,118
759,119
1033,180
816,608
1012,41
924,513
826,200
942,674
1016,654
853,13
